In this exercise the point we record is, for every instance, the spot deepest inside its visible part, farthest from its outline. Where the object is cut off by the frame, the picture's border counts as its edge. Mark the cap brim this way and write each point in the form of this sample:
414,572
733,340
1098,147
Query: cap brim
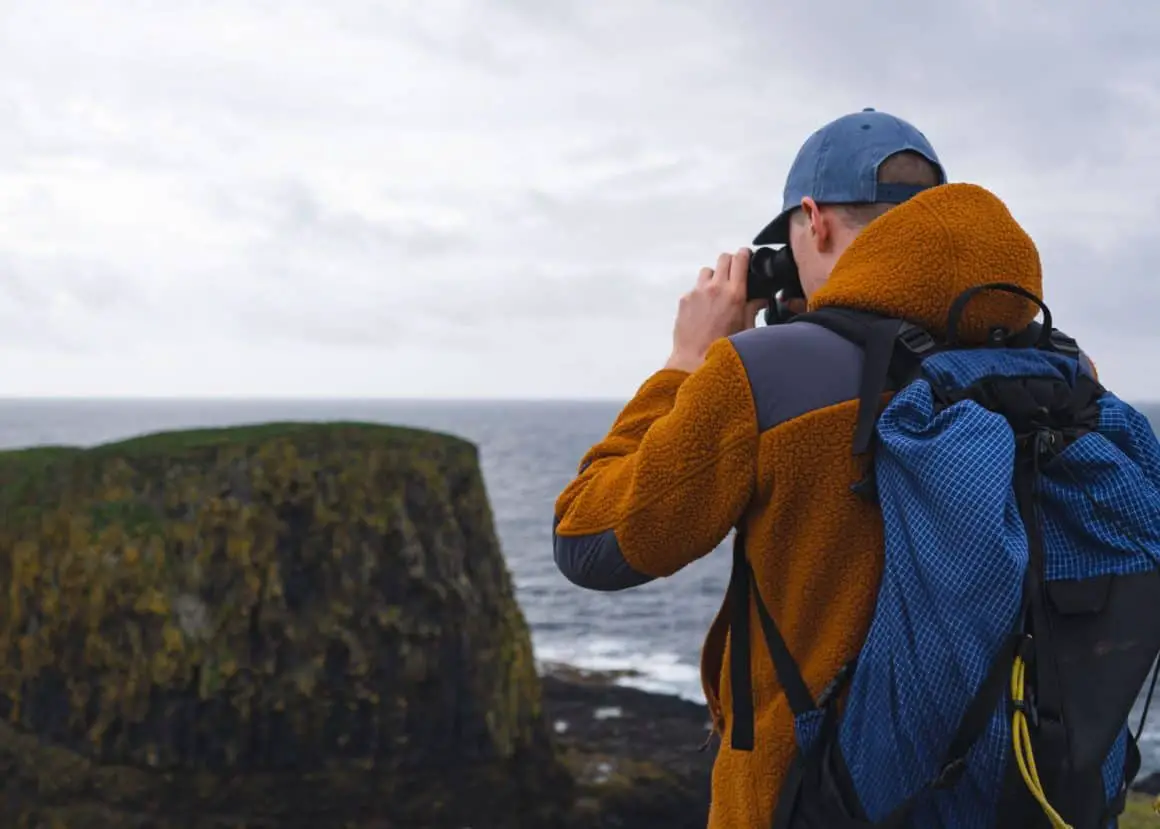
776,232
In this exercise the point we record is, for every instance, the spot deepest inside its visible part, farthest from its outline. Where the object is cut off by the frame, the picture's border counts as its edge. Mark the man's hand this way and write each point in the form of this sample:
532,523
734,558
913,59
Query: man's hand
715,308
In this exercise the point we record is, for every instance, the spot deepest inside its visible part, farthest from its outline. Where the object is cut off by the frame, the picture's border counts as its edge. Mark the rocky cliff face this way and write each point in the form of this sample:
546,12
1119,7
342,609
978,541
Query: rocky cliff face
278,626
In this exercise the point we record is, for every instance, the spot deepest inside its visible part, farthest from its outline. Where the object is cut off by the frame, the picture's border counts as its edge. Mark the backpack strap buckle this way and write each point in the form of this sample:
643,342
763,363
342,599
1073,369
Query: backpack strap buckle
1063,344
950,774
914,339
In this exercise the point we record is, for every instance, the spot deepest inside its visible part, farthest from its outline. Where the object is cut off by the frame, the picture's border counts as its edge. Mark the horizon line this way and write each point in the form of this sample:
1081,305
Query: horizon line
230,398
338,398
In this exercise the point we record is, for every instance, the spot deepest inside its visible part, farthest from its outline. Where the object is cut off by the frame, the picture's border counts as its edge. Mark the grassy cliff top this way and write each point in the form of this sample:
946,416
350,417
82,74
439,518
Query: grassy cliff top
27,467
180,442
1140,813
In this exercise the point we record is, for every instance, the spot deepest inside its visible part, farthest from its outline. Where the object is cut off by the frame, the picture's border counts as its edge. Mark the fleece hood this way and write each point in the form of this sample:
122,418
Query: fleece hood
914,261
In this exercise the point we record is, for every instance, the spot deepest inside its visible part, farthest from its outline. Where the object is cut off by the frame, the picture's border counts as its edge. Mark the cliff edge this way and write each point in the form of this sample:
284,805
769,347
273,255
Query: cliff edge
286,625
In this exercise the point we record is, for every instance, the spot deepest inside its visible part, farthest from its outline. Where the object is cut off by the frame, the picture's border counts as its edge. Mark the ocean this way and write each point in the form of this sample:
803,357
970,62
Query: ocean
529,452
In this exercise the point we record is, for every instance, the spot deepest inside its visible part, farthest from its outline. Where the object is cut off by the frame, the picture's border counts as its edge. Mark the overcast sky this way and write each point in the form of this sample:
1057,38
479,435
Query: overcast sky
505,198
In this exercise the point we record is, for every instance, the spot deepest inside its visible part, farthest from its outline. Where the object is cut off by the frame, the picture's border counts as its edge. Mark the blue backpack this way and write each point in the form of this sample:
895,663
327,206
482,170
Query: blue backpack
1018,615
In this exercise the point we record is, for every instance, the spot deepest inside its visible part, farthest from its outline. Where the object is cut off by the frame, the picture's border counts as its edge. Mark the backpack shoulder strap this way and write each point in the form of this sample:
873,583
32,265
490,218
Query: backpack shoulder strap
894,350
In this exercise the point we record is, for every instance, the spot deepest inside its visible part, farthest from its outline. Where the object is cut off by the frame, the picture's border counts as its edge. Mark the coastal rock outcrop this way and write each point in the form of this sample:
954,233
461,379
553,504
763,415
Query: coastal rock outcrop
284,625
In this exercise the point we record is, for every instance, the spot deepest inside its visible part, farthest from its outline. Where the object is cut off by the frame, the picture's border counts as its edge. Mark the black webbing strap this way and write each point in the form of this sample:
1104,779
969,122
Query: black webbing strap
741,738
879,350
884,362
789,676
1026,485
1132,762
741,586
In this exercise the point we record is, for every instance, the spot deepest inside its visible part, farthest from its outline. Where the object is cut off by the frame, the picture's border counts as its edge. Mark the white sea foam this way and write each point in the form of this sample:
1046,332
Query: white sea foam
657,671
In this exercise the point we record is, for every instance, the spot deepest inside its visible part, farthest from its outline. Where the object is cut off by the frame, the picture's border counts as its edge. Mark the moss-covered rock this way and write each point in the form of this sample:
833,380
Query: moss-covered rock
275,626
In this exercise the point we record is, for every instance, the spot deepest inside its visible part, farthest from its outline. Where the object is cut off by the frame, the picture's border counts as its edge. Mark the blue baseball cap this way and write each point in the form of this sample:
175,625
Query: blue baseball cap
838,164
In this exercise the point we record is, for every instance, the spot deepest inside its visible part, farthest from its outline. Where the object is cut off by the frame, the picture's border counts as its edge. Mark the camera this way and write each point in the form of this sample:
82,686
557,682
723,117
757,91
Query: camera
773,275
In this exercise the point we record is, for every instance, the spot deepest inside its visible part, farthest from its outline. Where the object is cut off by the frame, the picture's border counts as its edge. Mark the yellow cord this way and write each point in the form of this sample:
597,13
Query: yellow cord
1021,735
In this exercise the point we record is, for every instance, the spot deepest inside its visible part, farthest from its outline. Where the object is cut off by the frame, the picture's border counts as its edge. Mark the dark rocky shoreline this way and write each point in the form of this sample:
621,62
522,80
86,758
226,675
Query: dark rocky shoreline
1148,785
640,758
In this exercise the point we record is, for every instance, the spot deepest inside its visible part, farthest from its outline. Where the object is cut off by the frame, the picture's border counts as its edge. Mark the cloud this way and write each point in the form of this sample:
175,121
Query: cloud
68,304
293,221
507,197
1042,81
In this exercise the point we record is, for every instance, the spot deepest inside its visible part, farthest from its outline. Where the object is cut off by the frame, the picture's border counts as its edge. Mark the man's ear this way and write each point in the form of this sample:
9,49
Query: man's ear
818,223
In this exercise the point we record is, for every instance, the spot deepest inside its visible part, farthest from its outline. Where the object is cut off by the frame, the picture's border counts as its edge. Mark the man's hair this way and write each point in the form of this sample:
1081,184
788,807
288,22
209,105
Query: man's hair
906,167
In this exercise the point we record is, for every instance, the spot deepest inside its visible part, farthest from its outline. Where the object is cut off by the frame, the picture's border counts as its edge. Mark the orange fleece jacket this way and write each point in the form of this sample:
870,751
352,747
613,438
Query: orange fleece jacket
684,463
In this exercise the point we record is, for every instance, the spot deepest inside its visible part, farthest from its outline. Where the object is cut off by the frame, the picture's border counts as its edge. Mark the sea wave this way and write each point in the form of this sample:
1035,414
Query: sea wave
657,671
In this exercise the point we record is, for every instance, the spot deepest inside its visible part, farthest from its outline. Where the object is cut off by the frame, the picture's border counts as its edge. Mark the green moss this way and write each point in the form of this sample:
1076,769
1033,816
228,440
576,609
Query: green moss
274,620
1141,812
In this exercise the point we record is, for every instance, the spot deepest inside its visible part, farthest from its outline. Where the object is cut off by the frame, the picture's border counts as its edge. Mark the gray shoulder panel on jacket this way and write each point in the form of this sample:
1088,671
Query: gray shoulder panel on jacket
794,369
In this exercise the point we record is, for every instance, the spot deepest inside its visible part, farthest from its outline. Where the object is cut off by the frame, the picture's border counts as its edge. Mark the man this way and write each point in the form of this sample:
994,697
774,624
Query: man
751,427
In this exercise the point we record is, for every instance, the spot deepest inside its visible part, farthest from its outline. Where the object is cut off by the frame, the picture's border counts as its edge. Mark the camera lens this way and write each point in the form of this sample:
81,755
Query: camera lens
772,271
